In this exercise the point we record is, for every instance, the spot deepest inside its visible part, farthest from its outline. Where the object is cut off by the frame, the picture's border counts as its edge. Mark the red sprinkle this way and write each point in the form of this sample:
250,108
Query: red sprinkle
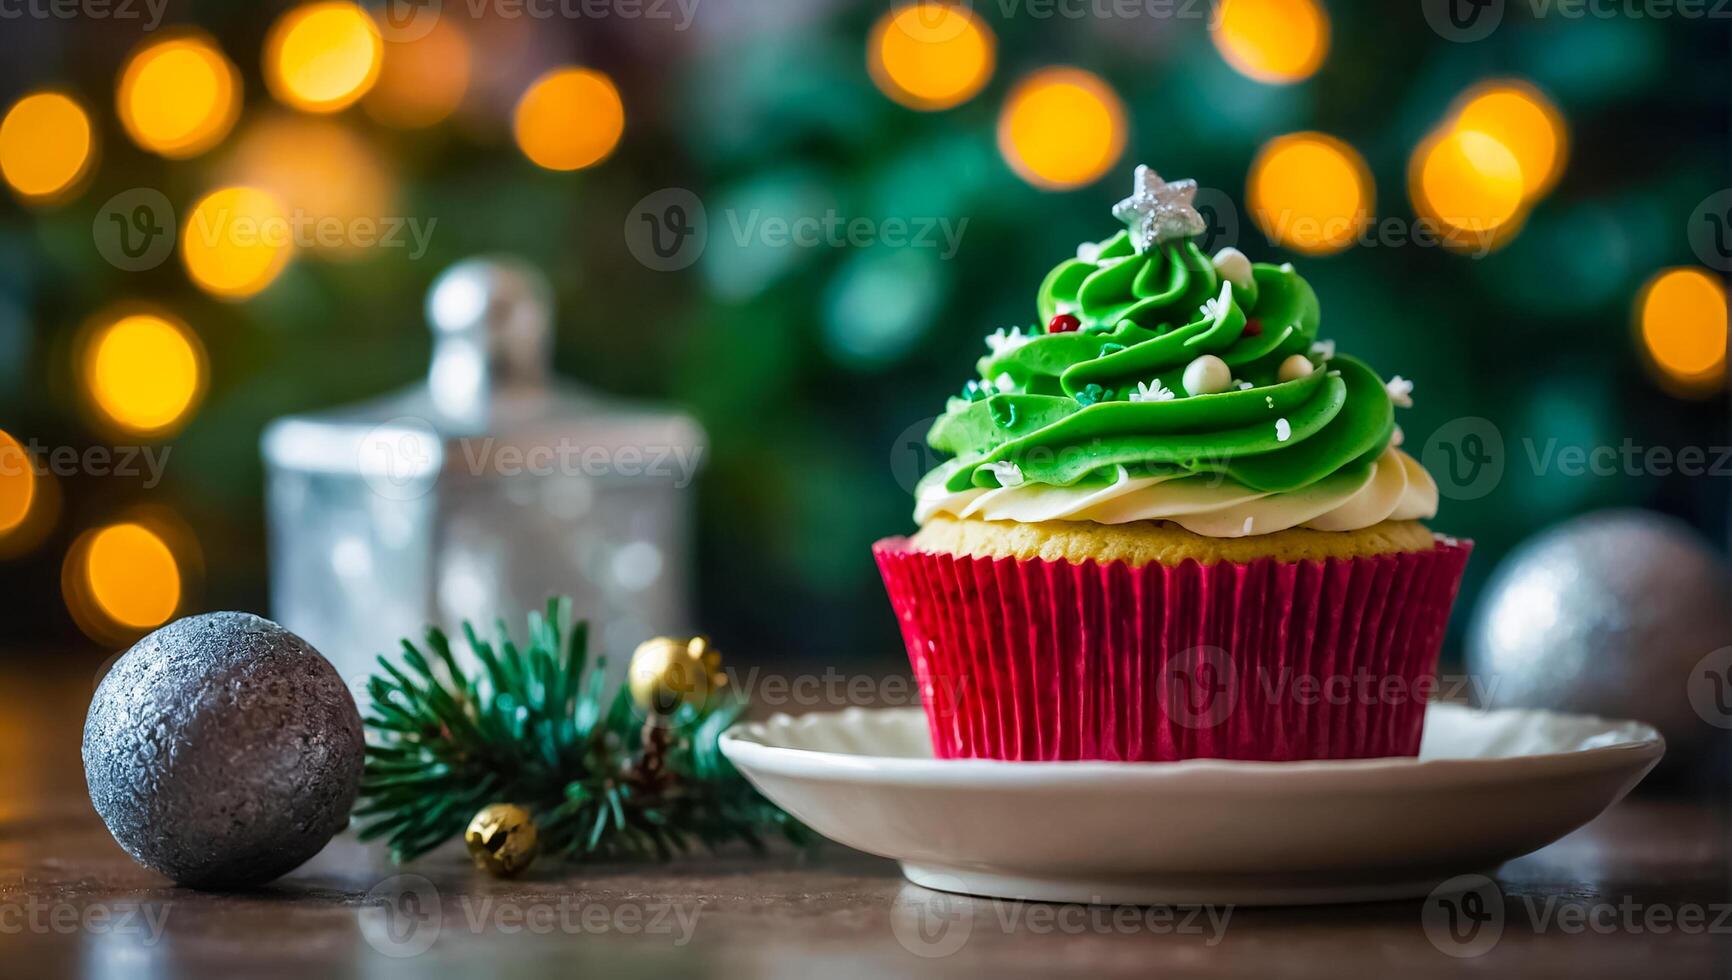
1253,328
1063,323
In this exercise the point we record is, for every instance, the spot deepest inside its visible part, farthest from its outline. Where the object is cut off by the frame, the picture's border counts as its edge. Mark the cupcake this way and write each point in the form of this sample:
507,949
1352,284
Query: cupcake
1175,523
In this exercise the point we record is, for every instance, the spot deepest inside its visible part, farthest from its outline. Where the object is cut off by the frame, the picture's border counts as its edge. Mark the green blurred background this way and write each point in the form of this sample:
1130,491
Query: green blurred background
809,365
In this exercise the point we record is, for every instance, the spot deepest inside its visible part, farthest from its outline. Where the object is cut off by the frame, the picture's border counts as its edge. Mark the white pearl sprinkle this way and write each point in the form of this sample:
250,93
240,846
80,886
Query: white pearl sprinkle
1207,375
1233,266
1293,368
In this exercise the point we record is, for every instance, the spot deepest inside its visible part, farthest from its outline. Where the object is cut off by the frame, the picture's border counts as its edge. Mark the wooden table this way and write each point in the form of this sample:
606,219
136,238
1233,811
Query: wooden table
71,903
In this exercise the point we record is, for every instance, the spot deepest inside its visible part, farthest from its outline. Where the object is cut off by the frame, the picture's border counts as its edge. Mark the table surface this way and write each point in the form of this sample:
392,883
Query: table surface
1609,900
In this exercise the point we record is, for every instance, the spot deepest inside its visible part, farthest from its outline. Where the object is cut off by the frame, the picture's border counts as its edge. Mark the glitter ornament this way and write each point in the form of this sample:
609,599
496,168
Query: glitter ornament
222,751
1613,613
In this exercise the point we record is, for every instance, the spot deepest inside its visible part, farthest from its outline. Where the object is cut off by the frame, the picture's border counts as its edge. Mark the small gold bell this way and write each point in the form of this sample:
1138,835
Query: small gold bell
501,839
667,672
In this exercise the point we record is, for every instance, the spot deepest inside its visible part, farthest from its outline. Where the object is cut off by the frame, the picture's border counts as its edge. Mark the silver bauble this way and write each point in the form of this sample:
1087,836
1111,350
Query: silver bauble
1611,613
222,751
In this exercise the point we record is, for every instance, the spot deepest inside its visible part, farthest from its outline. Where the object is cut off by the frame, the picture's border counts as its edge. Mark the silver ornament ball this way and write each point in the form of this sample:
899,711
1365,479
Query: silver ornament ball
1610,613
222,751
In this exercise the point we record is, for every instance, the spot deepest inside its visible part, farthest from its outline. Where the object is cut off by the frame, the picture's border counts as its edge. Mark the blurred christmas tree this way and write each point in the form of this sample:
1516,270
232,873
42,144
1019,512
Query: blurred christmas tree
880,187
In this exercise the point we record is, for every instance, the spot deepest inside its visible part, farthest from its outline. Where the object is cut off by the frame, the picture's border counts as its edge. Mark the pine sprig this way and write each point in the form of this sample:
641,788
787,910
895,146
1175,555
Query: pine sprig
533,727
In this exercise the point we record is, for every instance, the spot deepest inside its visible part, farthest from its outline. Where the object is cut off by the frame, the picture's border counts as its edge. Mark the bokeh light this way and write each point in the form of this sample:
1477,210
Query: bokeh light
569,118
235,241
930,56
1681,314
144,372
321,57
422,80
121,575
46,146
1519,116
1061,127
320,169
1466,181
1310,192
1273,41
17,483
179,96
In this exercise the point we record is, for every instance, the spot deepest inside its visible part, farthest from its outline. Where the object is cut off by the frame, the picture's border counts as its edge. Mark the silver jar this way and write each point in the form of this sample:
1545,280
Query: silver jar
480,492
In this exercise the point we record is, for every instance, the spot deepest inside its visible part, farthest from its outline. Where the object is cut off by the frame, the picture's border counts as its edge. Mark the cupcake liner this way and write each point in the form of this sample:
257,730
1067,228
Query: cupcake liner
1039,660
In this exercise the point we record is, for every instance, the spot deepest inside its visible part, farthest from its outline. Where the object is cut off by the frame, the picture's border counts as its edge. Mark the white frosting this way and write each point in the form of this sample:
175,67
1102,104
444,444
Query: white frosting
1395,488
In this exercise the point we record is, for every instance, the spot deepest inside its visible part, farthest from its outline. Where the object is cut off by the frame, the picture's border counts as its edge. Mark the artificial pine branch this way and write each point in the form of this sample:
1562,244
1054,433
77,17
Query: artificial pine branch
531,728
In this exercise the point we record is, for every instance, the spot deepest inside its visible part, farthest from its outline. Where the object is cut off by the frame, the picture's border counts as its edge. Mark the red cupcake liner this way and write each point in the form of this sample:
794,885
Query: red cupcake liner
1038,660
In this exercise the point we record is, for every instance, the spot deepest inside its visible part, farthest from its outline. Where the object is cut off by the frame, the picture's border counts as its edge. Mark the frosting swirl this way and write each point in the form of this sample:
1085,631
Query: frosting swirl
1172,386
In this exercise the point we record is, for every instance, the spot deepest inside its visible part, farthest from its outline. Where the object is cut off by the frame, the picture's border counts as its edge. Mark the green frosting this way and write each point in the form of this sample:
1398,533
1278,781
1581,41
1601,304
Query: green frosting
1073,407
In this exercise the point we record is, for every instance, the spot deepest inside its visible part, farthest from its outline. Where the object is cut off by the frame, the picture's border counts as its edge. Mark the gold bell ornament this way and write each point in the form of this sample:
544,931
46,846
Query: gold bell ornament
501,839
667,672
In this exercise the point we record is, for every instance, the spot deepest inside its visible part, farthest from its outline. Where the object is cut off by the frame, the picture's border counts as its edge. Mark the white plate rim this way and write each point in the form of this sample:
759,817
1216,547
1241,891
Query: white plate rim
744,745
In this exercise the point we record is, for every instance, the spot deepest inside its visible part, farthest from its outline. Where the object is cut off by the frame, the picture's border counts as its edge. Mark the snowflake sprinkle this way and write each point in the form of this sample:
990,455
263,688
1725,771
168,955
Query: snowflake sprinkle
1246,386
1283,431
1324,349
1007,473
1152,391
1400,391
1002,341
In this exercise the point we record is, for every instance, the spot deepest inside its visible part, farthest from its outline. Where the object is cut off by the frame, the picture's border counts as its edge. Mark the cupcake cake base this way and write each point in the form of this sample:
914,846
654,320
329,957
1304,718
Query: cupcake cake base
1035,658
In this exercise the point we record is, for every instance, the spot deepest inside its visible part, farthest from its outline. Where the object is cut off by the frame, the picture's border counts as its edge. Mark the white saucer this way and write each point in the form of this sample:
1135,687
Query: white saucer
1487,787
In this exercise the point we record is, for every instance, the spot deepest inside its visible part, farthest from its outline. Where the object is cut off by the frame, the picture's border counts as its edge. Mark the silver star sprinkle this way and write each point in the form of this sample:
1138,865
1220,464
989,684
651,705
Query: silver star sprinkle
1158,211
